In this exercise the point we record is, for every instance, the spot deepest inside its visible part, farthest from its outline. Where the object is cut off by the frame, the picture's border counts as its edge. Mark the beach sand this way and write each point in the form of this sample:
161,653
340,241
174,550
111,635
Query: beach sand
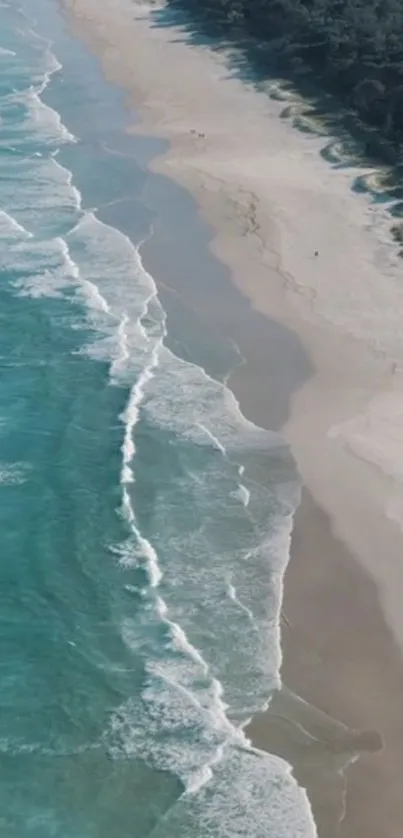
272,201
340,655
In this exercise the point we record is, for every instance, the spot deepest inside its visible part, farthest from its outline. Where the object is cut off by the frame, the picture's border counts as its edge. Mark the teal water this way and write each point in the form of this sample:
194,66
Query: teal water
144,523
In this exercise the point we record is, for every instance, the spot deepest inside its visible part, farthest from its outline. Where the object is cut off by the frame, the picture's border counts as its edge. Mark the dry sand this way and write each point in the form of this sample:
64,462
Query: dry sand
272,201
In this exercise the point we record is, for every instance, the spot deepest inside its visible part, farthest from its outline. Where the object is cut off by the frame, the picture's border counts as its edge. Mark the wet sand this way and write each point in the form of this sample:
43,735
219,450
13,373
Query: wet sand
270,197
341,657
343,624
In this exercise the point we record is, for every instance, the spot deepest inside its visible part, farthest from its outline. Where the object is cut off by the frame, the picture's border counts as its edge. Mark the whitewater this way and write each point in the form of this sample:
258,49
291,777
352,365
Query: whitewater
146,521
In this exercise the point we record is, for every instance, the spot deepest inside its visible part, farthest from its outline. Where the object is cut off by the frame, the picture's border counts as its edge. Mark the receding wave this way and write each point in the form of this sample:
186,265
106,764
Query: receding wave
180,720
206,502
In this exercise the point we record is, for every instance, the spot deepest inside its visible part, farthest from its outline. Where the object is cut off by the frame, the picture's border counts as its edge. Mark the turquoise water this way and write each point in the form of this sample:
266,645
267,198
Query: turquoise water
144,523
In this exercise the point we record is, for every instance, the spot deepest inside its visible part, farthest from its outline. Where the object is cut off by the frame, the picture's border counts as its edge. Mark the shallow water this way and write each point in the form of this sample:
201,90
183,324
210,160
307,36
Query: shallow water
144,522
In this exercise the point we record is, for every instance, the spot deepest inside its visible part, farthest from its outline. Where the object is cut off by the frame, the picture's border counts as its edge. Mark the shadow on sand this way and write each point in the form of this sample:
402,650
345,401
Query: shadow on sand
348,142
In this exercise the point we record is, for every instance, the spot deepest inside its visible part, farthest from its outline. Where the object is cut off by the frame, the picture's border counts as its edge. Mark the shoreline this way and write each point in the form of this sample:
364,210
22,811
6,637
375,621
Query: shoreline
336,392
340,656
350,408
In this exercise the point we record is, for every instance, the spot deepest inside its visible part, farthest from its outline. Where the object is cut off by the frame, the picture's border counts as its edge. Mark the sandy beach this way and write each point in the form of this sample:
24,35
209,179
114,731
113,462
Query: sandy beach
272,201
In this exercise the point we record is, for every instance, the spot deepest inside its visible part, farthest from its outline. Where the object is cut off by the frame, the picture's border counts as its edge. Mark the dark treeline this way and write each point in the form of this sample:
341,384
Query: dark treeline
353,48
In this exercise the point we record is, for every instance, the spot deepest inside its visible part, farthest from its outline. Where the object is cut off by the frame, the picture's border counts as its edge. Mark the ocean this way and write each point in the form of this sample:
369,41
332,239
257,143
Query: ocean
144,521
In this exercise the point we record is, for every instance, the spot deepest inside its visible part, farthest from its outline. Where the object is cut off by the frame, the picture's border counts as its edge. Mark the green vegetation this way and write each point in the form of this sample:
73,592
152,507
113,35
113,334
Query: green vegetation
351,48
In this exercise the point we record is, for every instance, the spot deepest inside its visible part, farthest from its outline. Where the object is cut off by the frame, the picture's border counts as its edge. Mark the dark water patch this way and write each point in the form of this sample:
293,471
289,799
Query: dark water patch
397,210
397,232
79,782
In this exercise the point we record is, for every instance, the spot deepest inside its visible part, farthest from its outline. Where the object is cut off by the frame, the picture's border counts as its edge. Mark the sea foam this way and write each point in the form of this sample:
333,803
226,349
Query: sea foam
212,564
